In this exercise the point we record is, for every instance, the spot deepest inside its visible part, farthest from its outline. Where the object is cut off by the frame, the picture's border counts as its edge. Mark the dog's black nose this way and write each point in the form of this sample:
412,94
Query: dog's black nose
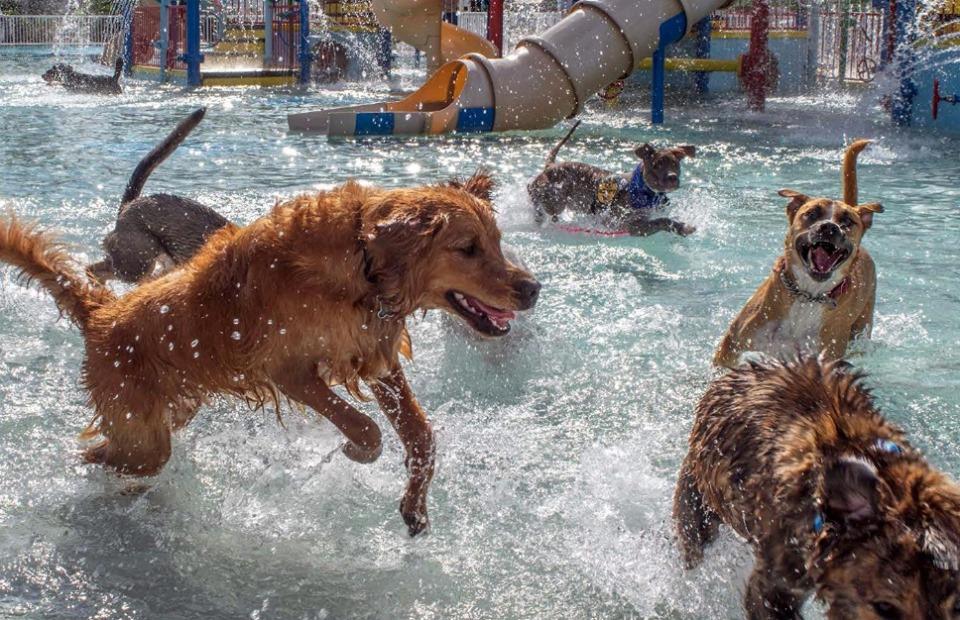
528,291
827,231
673,177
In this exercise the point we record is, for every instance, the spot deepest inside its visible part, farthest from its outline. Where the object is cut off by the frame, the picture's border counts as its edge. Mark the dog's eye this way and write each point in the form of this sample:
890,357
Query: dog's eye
845,221
812,215
887,611
468,250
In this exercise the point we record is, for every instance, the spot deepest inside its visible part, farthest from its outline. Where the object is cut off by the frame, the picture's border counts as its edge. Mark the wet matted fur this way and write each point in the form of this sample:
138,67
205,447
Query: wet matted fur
313,295
797,459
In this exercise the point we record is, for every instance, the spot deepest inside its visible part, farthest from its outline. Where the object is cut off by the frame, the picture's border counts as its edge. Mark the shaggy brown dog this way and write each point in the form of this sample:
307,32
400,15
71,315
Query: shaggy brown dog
821,290
797,460
311,296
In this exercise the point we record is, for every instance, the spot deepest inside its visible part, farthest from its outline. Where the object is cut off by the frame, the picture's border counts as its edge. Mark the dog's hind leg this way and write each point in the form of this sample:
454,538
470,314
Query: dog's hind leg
132,252
642,227
299,381
135,442
696,524
398,403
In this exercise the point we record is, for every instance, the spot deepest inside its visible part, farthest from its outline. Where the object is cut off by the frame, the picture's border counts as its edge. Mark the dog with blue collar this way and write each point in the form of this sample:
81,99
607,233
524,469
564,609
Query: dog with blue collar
796,458
631,202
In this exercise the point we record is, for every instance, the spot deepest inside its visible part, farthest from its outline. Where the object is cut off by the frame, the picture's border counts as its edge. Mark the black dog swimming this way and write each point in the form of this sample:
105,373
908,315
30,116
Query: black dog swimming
73,80
161,228
631,201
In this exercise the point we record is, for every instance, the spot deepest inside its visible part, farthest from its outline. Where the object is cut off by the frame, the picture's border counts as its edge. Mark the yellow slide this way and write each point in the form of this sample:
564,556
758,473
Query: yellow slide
545,79
419,23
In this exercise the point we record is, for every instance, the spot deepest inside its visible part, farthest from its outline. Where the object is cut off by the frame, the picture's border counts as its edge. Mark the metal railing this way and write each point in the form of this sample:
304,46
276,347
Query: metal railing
58,29
850,45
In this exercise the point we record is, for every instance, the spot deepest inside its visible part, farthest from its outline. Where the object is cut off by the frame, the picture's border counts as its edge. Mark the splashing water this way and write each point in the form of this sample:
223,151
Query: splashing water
557,446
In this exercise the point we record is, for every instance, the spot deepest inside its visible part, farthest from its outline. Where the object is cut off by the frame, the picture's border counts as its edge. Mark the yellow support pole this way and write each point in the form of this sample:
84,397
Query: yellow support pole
697,64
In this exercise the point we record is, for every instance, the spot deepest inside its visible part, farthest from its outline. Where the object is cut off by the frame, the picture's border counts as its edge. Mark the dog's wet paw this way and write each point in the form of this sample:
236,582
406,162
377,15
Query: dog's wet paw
416,522
359,454
415,516
686,230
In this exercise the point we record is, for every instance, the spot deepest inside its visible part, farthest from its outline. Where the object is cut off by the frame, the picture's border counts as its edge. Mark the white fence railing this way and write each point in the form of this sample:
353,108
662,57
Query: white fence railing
58,29
516,25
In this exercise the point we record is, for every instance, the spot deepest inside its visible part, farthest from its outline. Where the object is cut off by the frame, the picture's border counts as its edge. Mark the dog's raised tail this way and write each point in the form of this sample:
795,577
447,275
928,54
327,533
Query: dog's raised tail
42,260
159,153
552,157
849,171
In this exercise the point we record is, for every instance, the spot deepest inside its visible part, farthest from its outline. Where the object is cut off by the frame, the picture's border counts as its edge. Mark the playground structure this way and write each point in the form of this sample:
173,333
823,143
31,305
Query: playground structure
266,43
549,77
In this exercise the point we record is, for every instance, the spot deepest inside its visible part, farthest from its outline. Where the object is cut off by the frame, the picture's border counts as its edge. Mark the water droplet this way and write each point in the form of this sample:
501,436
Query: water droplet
116,363
170,346
129,415
194,343
164,309
364,326
283,331
196,354
235,335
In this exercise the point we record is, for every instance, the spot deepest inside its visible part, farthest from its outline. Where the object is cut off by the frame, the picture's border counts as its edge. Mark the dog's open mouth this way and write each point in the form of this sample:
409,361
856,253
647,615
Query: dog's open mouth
822,257
481,317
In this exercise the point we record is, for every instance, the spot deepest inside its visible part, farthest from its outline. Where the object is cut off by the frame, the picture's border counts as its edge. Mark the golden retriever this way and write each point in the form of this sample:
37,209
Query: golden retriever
313,295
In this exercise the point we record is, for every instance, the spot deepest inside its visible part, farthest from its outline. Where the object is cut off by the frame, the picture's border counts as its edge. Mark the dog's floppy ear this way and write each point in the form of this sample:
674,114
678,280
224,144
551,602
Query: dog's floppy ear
685,150
481,185
645,151
797,200
866,211
939,537
850,492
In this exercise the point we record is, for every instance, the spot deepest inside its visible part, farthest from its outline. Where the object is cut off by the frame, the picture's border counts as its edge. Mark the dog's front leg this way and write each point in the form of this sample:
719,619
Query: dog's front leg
398,403
767,597
299,381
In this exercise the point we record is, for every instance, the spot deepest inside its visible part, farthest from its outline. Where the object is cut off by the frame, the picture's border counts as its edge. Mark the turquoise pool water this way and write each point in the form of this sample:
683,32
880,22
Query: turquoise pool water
557,448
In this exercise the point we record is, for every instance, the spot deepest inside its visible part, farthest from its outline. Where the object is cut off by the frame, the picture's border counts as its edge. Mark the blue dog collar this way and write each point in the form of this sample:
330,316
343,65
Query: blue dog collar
641,196
888,446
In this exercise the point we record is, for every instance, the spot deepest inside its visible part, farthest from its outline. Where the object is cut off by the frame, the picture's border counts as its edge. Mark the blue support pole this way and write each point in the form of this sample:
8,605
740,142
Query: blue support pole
128,39
671,31
701,79
193,57
305,56
267,32
164,42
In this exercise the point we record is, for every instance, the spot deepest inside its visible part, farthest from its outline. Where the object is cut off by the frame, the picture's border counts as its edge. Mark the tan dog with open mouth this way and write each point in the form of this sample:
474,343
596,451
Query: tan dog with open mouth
821,291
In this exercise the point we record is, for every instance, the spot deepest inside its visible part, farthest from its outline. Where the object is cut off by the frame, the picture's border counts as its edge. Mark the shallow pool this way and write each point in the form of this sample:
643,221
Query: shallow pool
557,447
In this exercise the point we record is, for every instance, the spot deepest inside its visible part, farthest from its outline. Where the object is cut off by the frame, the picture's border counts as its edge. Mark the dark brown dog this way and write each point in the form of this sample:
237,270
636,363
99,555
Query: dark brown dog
160,229
624,201
797,460
311,296
73,80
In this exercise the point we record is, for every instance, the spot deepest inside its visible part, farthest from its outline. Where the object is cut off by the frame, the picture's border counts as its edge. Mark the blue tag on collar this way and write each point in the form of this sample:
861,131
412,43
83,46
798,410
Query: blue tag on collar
818,523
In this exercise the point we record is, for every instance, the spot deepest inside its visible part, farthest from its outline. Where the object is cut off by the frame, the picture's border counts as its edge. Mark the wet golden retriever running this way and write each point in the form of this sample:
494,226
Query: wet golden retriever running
311,296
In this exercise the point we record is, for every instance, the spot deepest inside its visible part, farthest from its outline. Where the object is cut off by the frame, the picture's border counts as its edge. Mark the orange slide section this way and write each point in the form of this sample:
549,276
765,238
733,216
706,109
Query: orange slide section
418,23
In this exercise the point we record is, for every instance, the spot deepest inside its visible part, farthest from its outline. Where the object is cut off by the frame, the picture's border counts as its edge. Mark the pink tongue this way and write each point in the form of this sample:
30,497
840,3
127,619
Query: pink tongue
503,315
821,259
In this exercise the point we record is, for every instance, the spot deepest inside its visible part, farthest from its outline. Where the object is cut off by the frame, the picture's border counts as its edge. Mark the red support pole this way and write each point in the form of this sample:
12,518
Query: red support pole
495,24
756,64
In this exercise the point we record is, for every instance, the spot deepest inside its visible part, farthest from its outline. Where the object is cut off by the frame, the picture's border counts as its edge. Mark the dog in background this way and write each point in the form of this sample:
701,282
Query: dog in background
313,295
159,229
625,201
798,461
73,80
821,291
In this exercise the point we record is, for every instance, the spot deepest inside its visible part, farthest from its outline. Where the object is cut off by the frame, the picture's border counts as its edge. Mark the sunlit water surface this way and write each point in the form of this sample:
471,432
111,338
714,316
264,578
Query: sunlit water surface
557,447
